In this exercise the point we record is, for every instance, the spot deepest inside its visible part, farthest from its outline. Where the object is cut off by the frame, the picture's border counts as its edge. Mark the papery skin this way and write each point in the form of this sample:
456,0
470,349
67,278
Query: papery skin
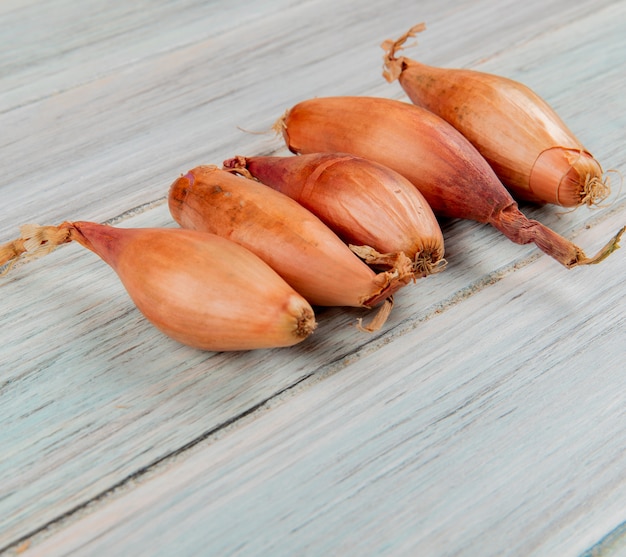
455,180
364,202
452,175
200,289
529,146
293,241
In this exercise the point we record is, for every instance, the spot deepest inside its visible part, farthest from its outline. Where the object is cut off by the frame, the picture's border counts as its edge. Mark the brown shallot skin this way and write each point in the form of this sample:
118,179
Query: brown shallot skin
293,241
447,169
364,202
531,149
197,288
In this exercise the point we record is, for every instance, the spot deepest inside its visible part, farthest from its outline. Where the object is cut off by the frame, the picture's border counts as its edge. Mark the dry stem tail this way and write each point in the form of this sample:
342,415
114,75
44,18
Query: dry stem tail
521,230
393,65
379,319
34,241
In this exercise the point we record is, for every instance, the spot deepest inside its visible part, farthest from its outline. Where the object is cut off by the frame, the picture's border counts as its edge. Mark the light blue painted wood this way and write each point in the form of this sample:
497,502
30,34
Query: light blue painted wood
496,427
99,115
112,119
613,544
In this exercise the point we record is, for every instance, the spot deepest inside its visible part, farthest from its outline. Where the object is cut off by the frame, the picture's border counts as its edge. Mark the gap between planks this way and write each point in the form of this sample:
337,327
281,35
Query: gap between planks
602,548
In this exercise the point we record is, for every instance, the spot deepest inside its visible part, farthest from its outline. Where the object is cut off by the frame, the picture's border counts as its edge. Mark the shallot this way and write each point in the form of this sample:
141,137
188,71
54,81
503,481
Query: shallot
525,141
364,202
197,288
293,241
448,170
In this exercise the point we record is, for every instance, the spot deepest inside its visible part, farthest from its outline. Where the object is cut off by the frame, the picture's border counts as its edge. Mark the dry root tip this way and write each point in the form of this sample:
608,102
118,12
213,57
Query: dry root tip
379,319
34,241
595,190
305,324
393,65
607,250
423,265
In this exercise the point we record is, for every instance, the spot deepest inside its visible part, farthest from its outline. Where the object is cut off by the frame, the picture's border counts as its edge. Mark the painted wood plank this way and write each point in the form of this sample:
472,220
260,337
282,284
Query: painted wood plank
495,427
613,544
134,403
91,146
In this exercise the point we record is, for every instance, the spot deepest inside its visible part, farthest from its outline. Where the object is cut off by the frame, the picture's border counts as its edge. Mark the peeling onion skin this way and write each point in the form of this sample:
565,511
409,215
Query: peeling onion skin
288,237
528,145
197,288
364,202
451,174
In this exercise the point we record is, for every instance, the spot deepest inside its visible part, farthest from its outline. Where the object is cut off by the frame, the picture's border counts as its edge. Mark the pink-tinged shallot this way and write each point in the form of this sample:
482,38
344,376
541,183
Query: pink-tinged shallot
197,288
448,170
528,145
291,239
364,202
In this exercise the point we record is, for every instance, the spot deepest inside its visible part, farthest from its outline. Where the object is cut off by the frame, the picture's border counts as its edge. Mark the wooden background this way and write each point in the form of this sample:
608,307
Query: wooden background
488,417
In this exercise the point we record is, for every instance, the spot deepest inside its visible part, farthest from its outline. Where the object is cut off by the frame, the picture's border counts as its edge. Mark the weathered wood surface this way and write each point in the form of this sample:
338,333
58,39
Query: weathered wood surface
487,417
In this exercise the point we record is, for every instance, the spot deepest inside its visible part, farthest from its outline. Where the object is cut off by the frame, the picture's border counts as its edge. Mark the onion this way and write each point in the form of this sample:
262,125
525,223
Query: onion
365,203
451,174
293,241
197,288
530,148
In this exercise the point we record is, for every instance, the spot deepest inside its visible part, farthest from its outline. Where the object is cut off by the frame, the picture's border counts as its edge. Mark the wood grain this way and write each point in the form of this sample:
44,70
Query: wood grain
487,417
439,442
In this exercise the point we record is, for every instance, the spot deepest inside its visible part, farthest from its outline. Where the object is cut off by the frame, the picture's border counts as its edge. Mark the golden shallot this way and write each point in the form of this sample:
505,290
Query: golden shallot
293,241
197,288
528,145
364,202
448,170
